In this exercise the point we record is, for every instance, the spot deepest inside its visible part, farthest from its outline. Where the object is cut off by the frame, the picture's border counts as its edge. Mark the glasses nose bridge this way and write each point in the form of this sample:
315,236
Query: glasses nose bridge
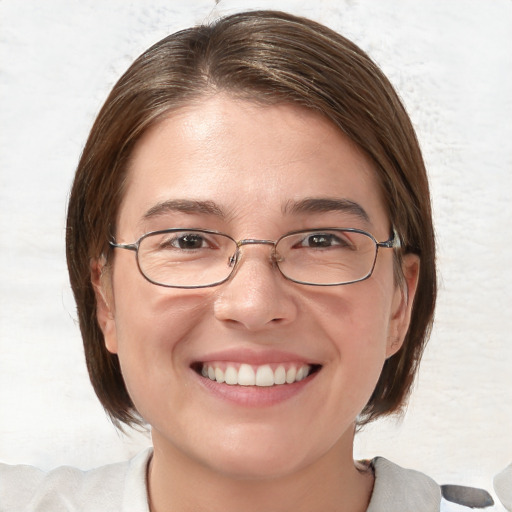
255,241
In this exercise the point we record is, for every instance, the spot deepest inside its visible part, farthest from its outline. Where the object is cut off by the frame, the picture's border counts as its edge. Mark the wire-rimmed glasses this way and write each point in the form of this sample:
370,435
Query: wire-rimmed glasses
200,258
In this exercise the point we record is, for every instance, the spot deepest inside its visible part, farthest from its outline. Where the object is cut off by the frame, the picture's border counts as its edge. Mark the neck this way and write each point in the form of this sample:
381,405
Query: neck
331,483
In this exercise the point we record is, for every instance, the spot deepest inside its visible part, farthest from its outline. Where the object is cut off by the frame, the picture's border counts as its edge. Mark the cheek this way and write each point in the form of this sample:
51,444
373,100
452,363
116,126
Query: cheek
146,315
154,319
356,322
356,317
153,327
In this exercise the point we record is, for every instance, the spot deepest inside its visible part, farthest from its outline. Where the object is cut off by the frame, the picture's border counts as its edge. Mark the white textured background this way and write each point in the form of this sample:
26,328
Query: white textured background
452,64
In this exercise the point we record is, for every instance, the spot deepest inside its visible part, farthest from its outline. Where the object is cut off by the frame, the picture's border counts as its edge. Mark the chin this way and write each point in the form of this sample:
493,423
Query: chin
259,455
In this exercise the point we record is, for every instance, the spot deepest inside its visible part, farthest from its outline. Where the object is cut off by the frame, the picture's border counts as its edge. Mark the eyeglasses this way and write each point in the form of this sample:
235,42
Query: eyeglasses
200,258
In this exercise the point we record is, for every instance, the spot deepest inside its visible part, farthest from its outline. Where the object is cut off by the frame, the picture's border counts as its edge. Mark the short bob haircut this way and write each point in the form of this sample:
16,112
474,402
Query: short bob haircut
267,57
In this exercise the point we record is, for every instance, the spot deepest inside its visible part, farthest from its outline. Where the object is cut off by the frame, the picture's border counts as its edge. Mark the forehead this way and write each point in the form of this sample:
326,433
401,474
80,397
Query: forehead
244,156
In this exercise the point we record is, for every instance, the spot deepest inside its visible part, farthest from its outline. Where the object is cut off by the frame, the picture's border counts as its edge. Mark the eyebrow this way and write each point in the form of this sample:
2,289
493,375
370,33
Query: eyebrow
307,205
184,206
326,205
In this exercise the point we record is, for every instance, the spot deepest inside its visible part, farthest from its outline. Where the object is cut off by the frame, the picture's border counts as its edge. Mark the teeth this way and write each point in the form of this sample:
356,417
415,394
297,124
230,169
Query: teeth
280,375
247,375
290,375
264,376
219,375
231,376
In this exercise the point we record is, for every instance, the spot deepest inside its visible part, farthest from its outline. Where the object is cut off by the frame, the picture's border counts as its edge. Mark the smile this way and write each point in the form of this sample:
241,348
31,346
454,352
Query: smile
265,375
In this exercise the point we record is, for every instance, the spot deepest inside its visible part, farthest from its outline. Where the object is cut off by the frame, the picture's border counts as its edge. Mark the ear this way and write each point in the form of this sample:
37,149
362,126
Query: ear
402,303
105,313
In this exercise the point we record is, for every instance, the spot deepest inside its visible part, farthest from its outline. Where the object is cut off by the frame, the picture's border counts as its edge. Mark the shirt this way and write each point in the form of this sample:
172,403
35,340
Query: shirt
122,487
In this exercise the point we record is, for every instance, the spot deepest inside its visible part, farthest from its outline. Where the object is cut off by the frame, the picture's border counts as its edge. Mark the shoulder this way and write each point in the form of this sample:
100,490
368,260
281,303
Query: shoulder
398,489
120,486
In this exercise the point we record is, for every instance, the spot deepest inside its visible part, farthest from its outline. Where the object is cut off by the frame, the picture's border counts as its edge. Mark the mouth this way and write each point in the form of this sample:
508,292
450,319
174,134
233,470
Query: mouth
265,375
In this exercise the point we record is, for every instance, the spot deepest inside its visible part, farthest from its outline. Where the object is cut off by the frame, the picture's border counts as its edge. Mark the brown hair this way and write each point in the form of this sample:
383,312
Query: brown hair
268,57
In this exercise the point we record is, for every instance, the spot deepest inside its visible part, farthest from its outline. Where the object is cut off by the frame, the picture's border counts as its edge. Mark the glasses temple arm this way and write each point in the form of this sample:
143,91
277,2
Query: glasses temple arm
394,242
129,247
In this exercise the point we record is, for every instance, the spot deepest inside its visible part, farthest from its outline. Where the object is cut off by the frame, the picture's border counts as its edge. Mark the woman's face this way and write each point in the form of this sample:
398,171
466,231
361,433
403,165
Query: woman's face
247,170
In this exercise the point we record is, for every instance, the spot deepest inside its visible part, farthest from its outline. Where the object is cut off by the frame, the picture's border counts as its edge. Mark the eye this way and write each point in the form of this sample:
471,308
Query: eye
323,240
187,241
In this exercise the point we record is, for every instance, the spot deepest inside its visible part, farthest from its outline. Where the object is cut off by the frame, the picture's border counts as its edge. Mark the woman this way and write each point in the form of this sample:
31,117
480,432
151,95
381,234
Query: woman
251,249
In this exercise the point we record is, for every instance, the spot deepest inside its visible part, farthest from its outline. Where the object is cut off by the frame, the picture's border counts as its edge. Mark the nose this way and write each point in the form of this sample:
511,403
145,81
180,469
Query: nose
256,296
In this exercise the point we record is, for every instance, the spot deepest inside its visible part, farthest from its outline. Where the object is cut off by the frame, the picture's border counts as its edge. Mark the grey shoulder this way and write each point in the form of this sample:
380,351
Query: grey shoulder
399,489
66,488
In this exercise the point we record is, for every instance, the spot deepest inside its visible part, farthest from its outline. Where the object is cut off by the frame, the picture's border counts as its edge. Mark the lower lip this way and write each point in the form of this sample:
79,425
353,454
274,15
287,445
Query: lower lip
255,396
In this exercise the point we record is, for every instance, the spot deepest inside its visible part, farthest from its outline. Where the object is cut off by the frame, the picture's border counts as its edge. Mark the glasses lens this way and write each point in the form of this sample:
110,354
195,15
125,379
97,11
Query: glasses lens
326,257
186,259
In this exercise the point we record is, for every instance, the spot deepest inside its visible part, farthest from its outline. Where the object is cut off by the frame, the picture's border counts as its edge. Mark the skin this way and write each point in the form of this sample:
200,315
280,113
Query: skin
216,454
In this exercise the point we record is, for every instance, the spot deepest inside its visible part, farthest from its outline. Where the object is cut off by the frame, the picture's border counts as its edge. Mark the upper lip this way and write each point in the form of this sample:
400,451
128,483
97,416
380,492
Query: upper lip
254,357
